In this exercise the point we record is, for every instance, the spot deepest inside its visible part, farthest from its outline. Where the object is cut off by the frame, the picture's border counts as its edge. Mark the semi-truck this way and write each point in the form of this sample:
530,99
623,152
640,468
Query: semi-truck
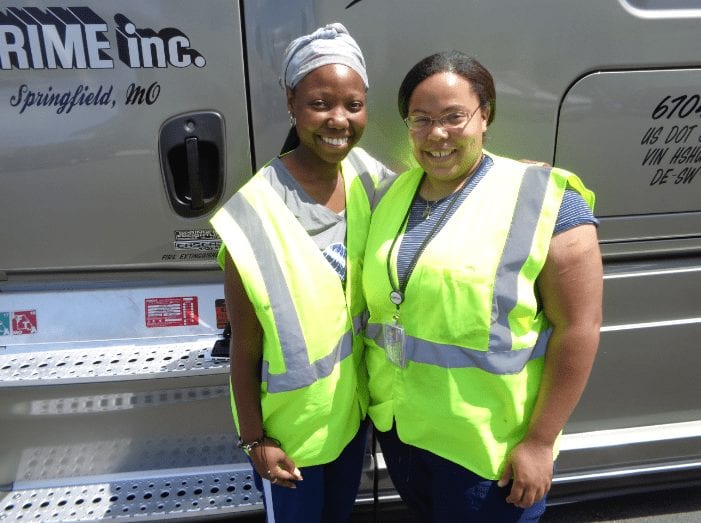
125,125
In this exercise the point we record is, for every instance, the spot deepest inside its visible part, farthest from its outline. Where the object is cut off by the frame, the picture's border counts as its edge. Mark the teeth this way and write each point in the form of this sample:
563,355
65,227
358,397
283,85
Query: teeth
440,154
334,141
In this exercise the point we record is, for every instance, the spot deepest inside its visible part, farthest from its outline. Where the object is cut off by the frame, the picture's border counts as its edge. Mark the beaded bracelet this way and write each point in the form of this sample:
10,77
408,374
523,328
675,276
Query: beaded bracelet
248,446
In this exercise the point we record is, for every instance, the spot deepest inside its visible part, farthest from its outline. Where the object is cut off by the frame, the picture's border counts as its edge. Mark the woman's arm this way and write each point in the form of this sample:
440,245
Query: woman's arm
245,356
571,287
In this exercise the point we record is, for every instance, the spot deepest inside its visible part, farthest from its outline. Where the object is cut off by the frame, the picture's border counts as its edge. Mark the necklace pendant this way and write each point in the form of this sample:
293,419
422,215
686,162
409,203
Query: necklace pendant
427,211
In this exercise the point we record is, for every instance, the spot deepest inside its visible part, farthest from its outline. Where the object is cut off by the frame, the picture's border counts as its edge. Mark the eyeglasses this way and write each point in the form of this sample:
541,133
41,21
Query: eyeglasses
450,121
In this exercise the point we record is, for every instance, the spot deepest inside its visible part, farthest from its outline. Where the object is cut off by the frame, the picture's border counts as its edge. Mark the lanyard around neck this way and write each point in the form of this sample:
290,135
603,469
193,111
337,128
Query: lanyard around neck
396,296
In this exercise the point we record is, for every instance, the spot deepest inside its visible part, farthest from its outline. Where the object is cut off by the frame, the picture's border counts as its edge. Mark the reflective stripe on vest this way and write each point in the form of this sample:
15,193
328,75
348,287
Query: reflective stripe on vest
362,172
373,188
529,202
454,357
290,332
501,358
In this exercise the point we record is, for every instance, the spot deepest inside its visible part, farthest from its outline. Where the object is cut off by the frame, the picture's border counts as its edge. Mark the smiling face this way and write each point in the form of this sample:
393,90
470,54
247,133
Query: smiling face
447,156
329,105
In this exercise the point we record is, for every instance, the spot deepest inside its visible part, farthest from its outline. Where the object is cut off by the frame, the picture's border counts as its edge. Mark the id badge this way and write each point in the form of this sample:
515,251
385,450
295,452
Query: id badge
394,344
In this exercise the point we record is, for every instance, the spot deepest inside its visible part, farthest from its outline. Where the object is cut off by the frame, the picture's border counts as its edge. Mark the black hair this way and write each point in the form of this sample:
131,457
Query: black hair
291,142
292,138
450,62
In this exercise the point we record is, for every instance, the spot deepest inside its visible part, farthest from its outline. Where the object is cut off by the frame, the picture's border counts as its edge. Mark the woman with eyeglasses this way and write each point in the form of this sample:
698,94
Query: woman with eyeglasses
483,279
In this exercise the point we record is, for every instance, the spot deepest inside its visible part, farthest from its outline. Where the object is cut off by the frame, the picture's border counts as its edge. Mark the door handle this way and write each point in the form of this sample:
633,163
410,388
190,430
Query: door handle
192,160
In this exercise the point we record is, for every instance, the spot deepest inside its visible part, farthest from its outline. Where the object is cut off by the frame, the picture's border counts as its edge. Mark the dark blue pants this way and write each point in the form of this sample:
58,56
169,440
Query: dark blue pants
327,493
442,491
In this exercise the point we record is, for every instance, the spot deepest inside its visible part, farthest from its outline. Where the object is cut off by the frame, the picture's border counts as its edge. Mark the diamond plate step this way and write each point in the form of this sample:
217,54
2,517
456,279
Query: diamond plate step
179,495
120,362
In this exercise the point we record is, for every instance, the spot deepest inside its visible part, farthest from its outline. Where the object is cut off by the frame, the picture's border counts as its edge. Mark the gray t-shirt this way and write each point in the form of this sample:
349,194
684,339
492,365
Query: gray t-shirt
325,227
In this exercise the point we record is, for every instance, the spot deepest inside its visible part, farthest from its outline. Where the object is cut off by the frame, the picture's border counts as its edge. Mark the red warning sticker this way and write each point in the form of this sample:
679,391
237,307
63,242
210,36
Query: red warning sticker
24,322
220,308
171,312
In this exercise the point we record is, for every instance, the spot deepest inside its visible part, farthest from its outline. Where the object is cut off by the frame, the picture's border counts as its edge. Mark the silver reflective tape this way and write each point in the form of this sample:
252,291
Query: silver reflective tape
299,378
454,357
301,373
281,302
517,248
362,172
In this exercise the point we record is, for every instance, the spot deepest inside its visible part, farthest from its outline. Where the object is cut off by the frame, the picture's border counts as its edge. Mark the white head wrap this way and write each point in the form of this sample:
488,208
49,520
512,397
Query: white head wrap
331,44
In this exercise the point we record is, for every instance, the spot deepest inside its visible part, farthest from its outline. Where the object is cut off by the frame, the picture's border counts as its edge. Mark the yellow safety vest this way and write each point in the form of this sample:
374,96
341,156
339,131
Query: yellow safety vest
314,381
475,333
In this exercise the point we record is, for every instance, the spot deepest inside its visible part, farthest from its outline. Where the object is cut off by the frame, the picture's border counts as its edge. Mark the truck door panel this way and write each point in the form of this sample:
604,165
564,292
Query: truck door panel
82,157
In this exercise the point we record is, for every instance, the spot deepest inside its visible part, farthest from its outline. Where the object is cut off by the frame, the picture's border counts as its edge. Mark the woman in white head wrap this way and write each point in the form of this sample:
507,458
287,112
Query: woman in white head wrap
298,393
331,44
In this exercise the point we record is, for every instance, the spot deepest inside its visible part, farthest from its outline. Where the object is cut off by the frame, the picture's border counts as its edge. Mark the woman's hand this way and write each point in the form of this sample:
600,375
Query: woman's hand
530,467
271,462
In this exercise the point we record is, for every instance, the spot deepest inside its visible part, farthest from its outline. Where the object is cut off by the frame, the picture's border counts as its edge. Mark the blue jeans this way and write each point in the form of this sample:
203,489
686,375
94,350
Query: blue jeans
327,493
442,491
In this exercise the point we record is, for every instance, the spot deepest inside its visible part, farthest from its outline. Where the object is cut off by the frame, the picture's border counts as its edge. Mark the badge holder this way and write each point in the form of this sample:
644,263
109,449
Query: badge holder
394,336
